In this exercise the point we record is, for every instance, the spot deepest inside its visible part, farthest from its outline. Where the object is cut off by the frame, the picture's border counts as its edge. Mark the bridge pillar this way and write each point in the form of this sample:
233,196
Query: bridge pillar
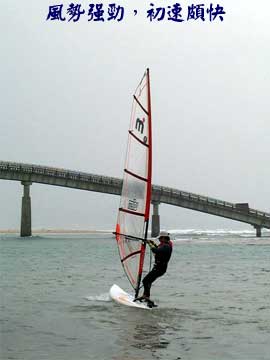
26,229
258,231
155,220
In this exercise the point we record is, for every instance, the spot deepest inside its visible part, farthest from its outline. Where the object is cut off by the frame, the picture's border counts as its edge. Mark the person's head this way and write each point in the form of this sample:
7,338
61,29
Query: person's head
164,236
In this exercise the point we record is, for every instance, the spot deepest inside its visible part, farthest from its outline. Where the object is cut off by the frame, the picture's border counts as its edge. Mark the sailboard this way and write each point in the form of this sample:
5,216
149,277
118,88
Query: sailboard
133,214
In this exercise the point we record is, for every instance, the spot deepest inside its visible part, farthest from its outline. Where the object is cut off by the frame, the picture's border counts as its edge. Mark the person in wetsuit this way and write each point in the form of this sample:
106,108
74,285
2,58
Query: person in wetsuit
162,254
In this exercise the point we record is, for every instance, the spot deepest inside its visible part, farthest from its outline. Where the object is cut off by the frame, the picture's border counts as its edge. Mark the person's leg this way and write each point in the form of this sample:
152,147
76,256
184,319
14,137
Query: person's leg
149,279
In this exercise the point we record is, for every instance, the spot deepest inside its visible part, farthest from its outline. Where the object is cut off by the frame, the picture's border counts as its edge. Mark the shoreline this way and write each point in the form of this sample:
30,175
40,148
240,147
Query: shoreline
57,231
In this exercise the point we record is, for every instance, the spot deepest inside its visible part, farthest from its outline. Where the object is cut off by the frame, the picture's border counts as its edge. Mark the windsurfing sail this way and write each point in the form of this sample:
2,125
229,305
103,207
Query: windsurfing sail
133,216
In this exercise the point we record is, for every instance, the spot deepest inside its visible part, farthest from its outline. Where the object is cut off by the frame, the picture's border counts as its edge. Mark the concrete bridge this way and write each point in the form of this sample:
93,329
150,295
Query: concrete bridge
29,173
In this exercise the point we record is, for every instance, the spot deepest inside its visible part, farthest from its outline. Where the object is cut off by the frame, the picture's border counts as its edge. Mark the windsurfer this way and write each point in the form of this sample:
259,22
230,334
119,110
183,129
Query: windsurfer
162,254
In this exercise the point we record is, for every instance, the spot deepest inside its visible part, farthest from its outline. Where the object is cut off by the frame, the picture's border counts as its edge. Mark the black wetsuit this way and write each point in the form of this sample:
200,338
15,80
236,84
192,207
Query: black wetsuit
162,256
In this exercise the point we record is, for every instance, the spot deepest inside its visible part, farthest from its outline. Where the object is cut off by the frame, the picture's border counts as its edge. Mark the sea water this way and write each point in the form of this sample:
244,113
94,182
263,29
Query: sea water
214,300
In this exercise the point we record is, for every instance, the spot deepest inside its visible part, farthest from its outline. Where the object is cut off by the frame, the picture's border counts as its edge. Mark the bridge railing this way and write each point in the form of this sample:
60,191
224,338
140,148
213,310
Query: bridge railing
58,172
205,199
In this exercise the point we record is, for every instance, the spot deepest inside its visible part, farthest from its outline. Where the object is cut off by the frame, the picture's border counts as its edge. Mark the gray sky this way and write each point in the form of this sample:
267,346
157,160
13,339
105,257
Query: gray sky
66,93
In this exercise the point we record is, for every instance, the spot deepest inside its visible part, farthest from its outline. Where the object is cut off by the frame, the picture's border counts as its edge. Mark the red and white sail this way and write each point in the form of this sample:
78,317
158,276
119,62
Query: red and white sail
133,215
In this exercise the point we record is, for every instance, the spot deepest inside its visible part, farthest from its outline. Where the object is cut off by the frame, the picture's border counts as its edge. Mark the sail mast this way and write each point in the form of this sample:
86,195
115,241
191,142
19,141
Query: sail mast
149,184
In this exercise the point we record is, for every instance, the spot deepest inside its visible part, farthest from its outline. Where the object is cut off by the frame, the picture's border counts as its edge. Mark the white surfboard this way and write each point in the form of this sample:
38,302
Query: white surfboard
122,297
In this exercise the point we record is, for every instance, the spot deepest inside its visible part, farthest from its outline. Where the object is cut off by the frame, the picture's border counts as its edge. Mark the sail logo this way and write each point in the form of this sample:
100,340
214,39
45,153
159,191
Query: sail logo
133,205
140,125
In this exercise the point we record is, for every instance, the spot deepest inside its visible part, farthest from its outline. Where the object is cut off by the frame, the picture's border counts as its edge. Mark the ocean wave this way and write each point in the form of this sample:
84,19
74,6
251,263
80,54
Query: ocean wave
175,233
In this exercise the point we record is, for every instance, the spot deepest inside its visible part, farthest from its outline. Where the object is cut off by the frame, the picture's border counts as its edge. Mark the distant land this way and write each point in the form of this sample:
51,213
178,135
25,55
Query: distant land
57,231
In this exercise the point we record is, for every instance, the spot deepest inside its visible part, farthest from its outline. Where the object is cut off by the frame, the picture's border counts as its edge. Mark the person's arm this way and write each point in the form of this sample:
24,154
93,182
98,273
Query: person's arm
159,250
